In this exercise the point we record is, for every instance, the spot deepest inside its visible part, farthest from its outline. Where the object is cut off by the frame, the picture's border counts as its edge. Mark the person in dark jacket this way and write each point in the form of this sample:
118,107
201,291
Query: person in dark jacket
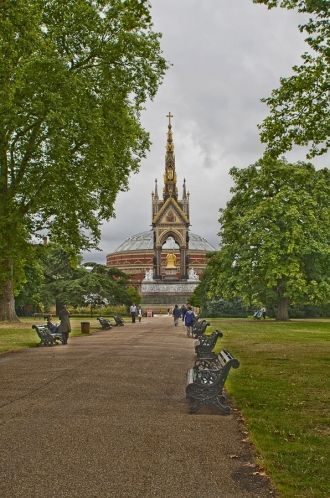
176,313
183,311
51,325
189,319
65,326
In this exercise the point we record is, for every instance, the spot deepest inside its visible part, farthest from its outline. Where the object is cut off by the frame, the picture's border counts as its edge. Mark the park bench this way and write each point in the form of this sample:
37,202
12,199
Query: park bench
206,343
199,327
47,338
118,320
105,324
205,386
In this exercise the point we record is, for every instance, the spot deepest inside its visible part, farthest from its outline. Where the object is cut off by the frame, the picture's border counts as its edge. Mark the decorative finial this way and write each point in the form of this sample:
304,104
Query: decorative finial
184,193
169,116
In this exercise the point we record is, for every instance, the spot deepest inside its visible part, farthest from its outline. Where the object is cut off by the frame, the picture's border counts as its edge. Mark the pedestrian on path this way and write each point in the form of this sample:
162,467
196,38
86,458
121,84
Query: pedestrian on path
65,325
183,311
176,314
189,319
139,313
133,312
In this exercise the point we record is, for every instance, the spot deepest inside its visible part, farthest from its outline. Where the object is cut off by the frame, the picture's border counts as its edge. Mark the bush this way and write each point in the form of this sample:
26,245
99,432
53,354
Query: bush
225,309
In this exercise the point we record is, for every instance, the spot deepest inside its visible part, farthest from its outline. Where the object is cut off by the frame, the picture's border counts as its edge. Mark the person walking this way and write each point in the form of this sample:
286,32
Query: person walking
183,311
133,312
176,313
65,326
139,313
189,319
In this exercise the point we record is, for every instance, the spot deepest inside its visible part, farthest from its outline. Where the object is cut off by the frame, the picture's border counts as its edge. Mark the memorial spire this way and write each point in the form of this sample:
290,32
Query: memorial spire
170,188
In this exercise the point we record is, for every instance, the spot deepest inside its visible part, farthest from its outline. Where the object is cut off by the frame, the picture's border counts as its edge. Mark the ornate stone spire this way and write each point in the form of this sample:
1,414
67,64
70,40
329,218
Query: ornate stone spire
184,192
156,188
170,188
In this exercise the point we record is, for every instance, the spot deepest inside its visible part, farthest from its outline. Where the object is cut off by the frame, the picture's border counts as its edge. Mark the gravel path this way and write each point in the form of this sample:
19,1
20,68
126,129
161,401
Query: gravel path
106,416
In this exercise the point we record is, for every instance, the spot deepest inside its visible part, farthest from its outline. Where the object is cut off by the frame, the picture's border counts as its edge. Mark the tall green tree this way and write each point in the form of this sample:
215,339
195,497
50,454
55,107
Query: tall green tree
275,234
300,107
74,76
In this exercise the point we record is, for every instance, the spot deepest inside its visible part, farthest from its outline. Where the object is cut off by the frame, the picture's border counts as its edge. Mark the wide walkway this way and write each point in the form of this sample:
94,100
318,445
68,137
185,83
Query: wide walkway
106,416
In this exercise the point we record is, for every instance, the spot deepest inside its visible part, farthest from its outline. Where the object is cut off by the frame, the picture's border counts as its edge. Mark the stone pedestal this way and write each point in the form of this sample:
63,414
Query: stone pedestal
166,293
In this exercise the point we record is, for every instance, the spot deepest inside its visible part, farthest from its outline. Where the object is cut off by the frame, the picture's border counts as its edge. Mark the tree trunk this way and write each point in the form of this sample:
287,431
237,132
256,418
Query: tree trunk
7,302
59,305
282,309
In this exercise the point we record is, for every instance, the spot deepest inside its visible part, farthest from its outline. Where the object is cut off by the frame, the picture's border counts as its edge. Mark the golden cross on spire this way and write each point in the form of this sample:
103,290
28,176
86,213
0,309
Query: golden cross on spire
169,116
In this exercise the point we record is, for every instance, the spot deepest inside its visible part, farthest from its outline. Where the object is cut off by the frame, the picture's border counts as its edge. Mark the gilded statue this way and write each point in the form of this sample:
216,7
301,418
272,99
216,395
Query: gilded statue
170,260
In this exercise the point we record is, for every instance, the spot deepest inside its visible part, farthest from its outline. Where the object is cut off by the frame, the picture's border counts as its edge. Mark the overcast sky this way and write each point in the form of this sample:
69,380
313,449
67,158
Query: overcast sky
226,55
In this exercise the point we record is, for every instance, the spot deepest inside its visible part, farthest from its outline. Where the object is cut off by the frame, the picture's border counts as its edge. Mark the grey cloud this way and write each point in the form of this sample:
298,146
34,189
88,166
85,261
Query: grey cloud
226,56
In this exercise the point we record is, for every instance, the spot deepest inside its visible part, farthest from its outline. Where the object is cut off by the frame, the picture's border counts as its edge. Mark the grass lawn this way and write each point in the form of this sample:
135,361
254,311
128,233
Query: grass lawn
21,335
282,390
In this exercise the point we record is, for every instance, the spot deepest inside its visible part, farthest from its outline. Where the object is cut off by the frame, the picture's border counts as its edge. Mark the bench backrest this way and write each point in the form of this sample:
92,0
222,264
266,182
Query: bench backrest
209,341
118,320
215,377
44,334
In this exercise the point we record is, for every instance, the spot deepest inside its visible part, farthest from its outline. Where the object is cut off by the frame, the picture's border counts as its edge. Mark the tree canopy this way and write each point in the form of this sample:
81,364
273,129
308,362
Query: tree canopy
74,76
275,236
56,276
300,108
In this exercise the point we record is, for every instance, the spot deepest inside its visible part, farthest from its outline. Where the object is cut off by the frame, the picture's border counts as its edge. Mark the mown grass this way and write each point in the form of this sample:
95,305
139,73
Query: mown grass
14,337
282,389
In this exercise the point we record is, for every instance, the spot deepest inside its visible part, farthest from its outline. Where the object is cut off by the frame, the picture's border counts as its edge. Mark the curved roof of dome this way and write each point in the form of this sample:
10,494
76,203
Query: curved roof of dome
144,241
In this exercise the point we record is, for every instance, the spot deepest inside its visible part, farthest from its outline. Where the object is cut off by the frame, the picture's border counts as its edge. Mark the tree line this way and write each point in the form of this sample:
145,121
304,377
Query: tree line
74,77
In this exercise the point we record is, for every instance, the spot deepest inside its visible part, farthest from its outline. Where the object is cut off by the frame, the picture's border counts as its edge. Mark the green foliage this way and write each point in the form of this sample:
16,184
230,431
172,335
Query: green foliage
275,237
134,296
221,308
57,276
30,295
299,108
74,76
98,287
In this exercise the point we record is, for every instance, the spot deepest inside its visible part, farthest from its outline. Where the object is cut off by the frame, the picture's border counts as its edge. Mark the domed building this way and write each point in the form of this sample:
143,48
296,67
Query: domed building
135,255
165,263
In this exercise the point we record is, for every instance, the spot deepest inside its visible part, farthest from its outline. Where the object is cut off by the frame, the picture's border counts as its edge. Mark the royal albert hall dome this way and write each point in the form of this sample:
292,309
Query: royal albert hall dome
135,255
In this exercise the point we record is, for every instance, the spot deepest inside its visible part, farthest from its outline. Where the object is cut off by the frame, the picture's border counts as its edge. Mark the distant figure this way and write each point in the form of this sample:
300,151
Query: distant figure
176,314
263,312
183,311
133,312
189,319
139,313
65,326
51,325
